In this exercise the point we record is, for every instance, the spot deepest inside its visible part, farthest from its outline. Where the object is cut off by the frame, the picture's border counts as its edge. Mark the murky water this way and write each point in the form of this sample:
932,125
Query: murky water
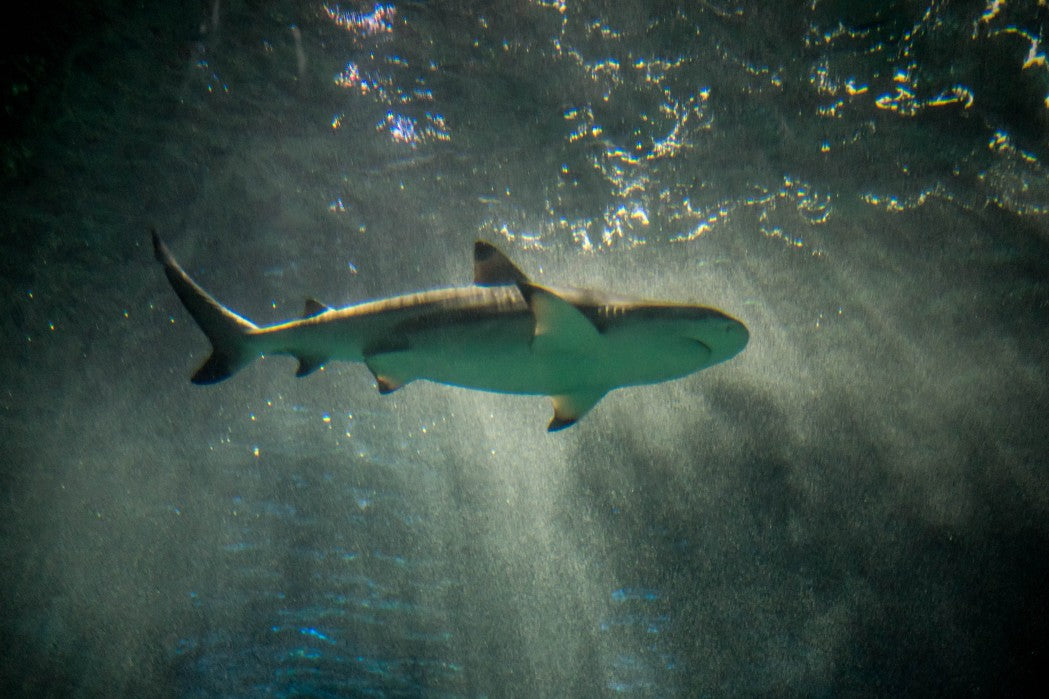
856,504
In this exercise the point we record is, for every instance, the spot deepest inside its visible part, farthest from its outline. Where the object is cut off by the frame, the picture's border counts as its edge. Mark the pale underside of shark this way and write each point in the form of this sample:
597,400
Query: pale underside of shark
503,334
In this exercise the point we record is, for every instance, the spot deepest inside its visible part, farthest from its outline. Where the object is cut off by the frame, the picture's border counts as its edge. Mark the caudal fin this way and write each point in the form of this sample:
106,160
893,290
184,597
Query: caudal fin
229,333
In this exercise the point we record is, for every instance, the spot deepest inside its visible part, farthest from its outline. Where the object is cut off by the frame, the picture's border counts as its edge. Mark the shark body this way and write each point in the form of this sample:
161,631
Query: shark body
503,334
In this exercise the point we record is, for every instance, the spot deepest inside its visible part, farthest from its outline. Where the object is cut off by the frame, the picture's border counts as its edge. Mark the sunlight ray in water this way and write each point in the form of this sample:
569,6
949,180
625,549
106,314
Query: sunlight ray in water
832,514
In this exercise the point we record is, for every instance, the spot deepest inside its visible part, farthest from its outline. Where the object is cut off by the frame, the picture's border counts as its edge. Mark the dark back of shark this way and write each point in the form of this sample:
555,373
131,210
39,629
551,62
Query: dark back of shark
503,334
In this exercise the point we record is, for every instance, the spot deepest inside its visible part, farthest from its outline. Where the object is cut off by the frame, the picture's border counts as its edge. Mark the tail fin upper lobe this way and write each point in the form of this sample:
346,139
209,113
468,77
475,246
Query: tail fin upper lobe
229,333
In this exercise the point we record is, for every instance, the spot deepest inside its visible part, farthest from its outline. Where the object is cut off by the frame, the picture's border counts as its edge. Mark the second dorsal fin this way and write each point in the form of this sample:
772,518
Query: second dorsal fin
314,308
493,268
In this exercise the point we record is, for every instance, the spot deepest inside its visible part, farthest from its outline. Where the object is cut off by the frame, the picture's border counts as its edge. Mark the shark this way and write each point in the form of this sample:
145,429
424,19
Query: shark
504,334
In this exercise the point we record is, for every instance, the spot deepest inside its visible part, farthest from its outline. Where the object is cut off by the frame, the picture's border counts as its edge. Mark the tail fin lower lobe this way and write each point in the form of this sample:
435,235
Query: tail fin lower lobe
229,333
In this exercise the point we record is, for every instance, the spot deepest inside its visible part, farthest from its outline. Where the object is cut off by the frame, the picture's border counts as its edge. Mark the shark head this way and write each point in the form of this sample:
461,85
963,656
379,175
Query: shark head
721,334
631,341
685,338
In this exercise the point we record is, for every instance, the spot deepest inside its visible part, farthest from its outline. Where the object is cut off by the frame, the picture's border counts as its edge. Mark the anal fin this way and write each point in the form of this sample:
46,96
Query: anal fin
569,408
386,382
308,365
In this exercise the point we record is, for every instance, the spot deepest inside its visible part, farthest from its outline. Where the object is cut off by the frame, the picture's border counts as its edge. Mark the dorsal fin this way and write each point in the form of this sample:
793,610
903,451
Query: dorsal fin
493,268
314,308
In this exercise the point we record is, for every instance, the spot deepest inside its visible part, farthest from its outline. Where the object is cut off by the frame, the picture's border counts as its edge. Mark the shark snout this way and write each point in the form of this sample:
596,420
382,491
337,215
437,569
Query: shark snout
735,338
724,336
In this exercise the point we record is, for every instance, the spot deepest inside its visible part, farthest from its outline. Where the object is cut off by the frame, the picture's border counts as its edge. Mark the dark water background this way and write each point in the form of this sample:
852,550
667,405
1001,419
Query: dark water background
856,505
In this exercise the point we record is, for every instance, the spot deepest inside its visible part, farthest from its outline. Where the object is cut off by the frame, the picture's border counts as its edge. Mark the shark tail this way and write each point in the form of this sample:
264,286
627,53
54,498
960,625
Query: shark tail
231,335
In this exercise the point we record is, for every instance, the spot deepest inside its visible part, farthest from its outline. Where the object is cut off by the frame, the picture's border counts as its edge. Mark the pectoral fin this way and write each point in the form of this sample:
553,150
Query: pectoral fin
379,364
387,384
569,408
559,326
